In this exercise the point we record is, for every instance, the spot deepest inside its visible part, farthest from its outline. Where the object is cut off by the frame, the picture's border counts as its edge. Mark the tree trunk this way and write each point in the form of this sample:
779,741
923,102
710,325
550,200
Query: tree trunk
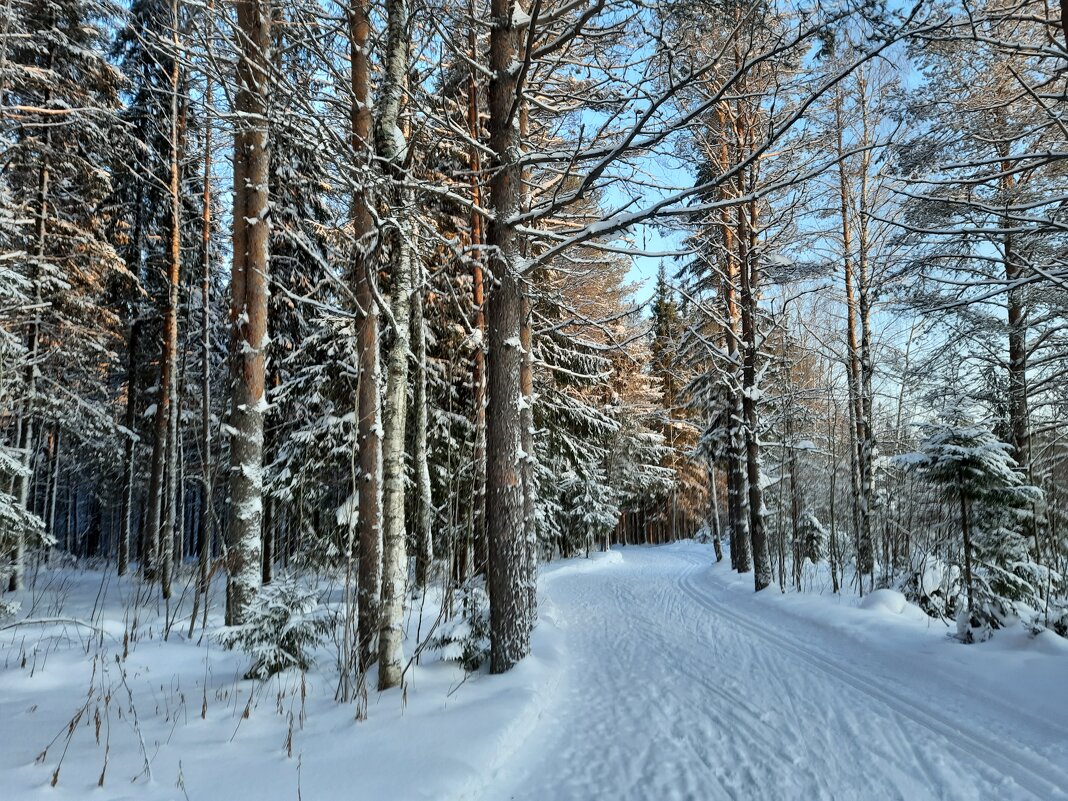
966,531
867,444
369,431
478,548
858,429
713,493
169,380
248,309
130,457
526,422
737,491
204,543
424,519
762,575
510,614
389,145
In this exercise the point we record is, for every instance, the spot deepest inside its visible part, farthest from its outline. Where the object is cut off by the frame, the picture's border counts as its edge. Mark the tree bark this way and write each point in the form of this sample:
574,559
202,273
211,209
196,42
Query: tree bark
966,532
713,494
424,518
204,543
169,368
130,456
476,551
510,615
389,144
248,309
858,433
737,491
369,424
749,268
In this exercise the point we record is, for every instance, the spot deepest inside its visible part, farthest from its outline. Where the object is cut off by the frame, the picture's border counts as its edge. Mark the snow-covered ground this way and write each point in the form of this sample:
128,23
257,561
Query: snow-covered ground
655,675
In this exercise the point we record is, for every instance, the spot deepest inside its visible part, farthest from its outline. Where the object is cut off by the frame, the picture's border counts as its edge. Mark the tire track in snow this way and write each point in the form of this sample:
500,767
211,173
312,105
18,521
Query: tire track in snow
1027,771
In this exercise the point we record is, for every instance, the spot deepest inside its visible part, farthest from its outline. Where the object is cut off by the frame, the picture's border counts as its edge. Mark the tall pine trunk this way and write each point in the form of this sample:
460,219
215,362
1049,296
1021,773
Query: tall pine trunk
248,308
475,552
510,612
737,491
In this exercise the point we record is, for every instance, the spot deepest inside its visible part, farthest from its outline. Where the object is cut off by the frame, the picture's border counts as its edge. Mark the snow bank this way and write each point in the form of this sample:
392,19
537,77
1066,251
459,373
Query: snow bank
890,602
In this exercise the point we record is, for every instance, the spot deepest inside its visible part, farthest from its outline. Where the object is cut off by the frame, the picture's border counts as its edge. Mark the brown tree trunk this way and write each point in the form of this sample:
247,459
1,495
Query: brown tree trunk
510,615
966,531
248,309
713,521
477,550
737,491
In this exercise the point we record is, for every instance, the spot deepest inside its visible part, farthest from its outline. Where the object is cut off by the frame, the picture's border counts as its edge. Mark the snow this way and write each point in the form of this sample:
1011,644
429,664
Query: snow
347,514
655,675
520,18
891,602
683,683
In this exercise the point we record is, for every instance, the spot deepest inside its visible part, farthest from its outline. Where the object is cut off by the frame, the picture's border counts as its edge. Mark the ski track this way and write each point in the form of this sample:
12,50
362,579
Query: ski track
671,693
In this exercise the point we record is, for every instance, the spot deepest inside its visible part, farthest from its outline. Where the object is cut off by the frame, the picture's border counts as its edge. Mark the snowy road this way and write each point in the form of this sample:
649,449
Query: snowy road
679,686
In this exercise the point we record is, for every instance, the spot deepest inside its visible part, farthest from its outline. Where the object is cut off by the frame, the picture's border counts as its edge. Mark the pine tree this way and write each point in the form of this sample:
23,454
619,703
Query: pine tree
975,471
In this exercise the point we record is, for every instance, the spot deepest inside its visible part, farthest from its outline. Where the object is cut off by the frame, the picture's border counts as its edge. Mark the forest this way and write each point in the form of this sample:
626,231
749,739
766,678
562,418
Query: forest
341,321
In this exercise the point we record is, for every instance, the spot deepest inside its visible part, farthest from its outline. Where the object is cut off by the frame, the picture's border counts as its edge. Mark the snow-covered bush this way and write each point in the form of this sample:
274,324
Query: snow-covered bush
465,637
285,623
